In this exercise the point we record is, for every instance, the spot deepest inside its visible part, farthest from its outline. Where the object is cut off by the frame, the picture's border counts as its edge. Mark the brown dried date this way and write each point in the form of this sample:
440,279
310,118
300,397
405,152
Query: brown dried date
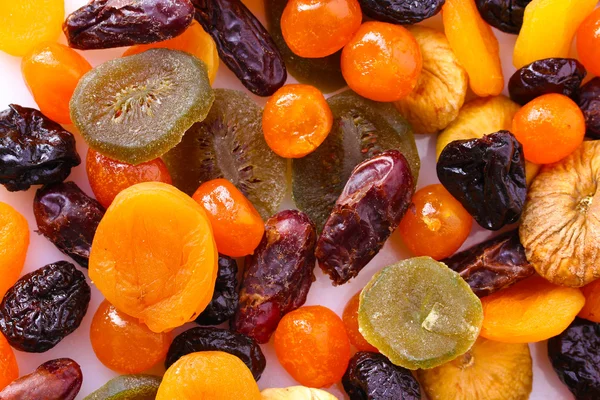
505,15
589,102
68,218
225,296
369,209
278,275
102,24
403,12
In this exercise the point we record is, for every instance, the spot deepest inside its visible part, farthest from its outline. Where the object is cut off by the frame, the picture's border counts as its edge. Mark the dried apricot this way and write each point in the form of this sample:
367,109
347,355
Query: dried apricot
588,42
350,319
591,309
9,370
14,241
154,257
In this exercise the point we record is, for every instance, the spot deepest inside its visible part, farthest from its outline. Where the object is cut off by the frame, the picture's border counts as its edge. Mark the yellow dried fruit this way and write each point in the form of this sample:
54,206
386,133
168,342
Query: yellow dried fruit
296,393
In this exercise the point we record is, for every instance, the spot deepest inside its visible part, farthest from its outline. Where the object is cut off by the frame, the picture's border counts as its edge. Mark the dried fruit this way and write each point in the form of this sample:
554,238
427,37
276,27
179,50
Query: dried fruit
229,144
128,387
33,149
402,12
588,42
68,217
371,376
296,393
147,101
441,87
591,309
350,319
277,276
14,242
589,103
505,15
214,339
369,209
28,312
9,370
225,298
419,313
103,24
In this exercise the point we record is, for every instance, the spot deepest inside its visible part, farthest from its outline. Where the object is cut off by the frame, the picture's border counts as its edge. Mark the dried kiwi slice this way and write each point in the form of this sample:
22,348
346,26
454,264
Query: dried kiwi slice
134,109
128,387
419,313
229,144
361,129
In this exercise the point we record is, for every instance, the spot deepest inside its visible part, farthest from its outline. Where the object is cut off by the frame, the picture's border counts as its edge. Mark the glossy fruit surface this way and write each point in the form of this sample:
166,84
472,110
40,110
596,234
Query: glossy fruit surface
588,42
591,309
350,318
14,242
9,370
128,387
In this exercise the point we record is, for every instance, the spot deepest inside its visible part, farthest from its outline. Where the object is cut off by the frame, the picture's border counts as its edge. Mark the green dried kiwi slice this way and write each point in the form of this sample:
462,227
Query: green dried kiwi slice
361,129
134,109
128,387
230,144
419,313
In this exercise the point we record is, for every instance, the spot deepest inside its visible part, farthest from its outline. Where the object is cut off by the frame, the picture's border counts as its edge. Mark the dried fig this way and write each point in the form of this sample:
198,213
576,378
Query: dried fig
442,86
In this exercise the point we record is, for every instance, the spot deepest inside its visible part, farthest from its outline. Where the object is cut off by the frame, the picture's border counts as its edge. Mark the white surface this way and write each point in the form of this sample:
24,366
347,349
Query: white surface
546,384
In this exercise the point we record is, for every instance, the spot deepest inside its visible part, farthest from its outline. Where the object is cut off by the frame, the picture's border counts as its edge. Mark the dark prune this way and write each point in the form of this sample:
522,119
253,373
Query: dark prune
492,265
371,376
102,24
225,297
244,45
277,276
403,12
487,176
551,75
505,15
215,339
34,150
68,218
44,307
369,209
575,356
589,102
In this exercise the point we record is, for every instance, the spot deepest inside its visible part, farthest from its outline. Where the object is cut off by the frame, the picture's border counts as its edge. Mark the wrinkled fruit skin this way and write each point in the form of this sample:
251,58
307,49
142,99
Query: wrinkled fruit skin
103,24
505,15
403,12
589,102
215,339
487,176
34,150
278,275
244,45
371,376
552,75
58,379
44,307
225,297
492,265
369,209
575,356
68,218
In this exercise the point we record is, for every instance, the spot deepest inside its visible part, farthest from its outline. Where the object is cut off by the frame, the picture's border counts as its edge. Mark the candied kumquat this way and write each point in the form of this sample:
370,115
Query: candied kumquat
591,309
350,319
9,370
588,42
14,241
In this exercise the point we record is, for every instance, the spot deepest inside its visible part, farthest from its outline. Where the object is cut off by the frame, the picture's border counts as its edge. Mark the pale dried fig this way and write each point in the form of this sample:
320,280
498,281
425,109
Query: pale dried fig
296,393
560,223
442,86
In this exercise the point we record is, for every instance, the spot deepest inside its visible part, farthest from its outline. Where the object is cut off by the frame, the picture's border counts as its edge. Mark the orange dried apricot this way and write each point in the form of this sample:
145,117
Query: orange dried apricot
591,309
588,42
14,241
350,319
9,370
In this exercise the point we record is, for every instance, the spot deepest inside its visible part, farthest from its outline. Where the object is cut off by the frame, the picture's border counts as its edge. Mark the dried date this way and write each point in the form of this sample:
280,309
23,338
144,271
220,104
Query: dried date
403,12
589,102
369,209
505,15
225,297
277,276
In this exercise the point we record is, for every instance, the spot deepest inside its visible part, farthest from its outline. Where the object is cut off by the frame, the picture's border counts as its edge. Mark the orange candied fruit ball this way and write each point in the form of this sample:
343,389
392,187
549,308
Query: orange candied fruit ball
51,72
124,344
549,127
382,62
9,370
436,224
591,309
588,42
350,319
14,242
108,177
318,28
312,345
237,227
296,120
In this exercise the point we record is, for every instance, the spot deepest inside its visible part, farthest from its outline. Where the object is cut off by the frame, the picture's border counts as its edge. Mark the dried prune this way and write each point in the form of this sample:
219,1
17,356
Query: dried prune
492,265
68,218
34,150
58,379
575,356
551,75
102,24
589,102
44,307
278,275
506,15
369,209
244,45
487,176
371,376
403,12
215,339
225,297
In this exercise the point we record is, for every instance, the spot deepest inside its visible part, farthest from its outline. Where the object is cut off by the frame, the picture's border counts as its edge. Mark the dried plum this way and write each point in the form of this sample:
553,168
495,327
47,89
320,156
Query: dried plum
589,102
403,12
505,15
225,297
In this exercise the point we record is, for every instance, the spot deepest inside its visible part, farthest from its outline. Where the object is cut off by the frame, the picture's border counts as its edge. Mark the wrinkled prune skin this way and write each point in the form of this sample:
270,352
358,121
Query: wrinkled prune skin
492,265
216,339
589,102
58,379
369,209
277,276
487,176
403,12
551,75
68,217
225,297
505,15
103,24
34,150
244,45
44,307
575,356
371,376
